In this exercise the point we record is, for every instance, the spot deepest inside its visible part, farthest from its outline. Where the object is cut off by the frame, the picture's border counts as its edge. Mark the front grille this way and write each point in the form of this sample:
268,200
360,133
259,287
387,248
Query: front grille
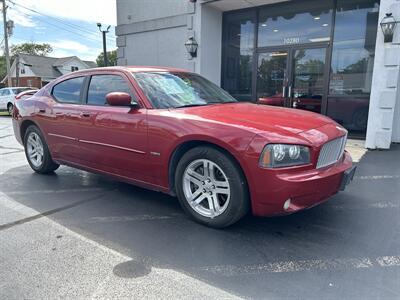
331,152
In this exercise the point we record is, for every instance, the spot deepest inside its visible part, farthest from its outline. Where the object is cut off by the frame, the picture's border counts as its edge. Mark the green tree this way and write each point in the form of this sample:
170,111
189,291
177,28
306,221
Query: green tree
112,58
3,68
31,48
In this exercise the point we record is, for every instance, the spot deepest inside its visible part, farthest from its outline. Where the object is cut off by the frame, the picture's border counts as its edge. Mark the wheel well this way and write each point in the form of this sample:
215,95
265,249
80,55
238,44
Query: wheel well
185,147
24,127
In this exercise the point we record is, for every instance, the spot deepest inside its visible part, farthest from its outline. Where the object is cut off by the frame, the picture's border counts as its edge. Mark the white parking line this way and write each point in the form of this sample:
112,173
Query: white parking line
306,265
110,219
376,177
80,190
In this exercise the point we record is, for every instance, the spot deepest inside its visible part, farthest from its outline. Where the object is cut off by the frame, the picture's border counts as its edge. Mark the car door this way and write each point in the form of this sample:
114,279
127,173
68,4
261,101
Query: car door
60,118
4,98
114,139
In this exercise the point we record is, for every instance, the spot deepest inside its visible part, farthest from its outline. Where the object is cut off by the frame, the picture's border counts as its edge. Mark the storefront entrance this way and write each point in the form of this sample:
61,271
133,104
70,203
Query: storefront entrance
293,77
306,54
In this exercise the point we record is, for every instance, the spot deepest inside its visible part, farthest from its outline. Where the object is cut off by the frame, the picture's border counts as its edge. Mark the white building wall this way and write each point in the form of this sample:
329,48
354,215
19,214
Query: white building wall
383,120
210,41
133,11
157,37
66,68
28,71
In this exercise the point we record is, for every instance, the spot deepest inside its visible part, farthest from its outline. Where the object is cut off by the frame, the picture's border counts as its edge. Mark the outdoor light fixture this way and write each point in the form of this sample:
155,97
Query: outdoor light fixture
191,46
388,24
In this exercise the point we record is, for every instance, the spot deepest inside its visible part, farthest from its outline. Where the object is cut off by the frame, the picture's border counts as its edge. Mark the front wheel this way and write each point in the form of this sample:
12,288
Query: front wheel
10,108
211,187
37,152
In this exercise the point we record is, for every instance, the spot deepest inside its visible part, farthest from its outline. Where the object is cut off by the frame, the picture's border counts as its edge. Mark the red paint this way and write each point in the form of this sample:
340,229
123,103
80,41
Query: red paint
136,144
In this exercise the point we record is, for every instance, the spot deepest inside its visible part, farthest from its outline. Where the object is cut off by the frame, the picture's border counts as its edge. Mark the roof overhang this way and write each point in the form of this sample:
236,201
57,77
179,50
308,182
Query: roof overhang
226,5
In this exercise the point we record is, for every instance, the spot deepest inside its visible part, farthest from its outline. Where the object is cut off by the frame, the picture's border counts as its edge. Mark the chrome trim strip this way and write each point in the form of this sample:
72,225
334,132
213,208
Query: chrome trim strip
63,136
112,146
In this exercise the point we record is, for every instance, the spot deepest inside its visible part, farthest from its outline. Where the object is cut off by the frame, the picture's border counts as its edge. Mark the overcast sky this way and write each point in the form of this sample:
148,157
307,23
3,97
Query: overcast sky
69,26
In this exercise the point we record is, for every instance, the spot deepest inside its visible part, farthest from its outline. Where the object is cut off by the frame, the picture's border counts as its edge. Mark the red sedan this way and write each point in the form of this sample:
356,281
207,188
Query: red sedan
175,132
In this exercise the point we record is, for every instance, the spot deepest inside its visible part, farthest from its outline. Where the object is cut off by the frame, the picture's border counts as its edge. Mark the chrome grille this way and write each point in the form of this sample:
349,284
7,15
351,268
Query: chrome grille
331,152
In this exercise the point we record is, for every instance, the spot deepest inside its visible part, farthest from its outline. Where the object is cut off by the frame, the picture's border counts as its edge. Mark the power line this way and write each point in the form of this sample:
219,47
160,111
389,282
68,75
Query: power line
63,28
75,27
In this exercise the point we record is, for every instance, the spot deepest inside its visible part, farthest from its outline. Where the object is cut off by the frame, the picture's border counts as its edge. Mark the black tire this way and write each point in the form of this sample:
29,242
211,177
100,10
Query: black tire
238,204
47,165
10,108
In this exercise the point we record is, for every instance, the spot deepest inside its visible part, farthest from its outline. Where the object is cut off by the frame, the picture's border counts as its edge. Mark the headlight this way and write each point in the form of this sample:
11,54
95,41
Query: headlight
282,155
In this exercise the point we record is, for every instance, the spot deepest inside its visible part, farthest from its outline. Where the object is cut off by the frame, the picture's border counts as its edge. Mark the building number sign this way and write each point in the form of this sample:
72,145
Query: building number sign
291,40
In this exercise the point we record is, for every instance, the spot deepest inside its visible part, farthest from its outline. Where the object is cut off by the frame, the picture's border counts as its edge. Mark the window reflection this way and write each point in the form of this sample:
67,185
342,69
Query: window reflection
295,23
239,55
353,47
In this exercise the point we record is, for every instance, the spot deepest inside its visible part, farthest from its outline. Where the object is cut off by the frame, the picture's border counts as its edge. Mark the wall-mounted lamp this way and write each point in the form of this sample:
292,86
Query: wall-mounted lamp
191,46
388,24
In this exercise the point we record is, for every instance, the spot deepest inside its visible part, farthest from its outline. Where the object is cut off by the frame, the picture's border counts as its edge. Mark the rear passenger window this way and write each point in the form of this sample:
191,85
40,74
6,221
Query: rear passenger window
101,85
69,91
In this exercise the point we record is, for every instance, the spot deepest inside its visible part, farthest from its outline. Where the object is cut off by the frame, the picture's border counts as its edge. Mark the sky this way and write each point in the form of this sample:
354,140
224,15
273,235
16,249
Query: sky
69,26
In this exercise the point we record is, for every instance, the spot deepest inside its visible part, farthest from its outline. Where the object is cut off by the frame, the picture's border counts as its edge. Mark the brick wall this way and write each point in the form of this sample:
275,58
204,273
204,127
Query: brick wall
28,81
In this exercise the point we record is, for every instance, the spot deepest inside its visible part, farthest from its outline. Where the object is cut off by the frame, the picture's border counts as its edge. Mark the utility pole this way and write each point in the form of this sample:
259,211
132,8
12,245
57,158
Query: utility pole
17,69
104,32
6,50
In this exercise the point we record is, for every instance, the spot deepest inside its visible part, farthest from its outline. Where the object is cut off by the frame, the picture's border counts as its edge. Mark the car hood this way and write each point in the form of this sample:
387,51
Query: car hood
259,118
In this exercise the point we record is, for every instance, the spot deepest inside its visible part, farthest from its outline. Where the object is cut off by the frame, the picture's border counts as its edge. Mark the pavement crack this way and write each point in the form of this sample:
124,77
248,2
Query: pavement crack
47,213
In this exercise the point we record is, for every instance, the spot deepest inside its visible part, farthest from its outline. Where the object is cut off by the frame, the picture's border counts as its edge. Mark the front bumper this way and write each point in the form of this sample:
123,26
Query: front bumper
305,188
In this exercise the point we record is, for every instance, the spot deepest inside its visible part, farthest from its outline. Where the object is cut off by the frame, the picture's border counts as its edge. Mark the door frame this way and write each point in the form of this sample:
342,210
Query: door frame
290,49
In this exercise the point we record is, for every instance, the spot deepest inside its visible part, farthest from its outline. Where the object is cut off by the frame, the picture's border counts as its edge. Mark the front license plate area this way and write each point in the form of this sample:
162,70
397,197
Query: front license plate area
348,176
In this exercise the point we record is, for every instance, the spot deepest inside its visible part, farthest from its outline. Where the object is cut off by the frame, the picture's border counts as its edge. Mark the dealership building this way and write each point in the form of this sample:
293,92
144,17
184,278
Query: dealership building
340,58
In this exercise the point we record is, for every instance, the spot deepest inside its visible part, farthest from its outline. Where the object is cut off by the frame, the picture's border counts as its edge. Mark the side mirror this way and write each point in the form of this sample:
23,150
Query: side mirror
119,99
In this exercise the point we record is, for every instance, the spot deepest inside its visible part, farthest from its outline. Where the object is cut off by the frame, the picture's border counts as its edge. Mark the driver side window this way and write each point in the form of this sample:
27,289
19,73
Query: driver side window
101,85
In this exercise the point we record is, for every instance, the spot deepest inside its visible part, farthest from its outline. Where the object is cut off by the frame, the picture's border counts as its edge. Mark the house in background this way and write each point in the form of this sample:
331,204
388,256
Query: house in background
37,71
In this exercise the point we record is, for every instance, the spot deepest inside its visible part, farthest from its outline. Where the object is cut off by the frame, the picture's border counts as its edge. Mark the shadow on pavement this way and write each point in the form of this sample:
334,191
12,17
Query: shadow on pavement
151,228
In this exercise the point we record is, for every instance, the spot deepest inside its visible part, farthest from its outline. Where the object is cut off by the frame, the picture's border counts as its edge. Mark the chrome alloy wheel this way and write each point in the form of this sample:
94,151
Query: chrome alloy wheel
35,149
206,188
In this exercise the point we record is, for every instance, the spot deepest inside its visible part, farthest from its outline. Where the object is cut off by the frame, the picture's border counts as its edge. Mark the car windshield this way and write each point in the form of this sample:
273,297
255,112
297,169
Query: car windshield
179,89
20,90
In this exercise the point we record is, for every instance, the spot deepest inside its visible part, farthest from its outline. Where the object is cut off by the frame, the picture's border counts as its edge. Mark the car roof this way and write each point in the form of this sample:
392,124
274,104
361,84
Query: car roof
16,87
133,69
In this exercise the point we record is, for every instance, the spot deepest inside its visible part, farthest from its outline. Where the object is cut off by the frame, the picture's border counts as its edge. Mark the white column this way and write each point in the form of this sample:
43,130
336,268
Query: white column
385,94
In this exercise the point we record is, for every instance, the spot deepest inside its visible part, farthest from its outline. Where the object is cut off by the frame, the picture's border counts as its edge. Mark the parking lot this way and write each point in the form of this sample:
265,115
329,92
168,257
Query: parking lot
79,235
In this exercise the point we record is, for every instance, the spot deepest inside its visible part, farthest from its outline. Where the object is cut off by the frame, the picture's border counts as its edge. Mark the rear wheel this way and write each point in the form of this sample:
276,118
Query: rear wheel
211,187
37,152
10,108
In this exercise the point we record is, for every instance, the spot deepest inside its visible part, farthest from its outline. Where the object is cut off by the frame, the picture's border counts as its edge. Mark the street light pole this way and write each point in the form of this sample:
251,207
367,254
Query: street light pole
104,32
6,50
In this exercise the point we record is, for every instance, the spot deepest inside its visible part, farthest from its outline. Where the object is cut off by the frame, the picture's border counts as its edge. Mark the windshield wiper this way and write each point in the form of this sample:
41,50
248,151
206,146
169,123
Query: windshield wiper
191,105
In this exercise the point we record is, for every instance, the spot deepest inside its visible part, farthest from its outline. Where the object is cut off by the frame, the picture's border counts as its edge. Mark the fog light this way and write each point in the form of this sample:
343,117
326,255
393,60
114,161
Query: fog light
286,205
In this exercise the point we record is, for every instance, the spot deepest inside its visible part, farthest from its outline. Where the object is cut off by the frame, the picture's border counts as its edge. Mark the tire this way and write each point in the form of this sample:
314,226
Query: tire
37,152
10,108
220,195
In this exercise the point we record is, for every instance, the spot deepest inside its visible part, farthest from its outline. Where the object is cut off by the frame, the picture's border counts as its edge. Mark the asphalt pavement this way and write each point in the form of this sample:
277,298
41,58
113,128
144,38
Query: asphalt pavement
78,235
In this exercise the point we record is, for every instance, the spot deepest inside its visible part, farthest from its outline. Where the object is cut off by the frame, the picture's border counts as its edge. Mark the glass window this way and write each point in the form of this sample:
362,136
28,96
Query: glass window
69,90
101,85
20,90
354,47
5,92
173,90
295,23
238,65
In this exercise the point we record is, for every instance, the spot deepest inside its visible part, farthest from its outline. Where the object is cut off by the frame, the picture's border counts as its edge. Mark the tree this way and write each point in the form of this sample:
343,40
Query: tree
112,58
31,48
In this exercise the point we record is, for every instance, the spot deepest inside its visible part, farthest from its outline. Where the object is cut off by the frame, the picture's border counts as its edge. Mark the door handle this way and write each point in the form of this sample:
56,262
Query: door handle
42,110
290,91
284,92
85,114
